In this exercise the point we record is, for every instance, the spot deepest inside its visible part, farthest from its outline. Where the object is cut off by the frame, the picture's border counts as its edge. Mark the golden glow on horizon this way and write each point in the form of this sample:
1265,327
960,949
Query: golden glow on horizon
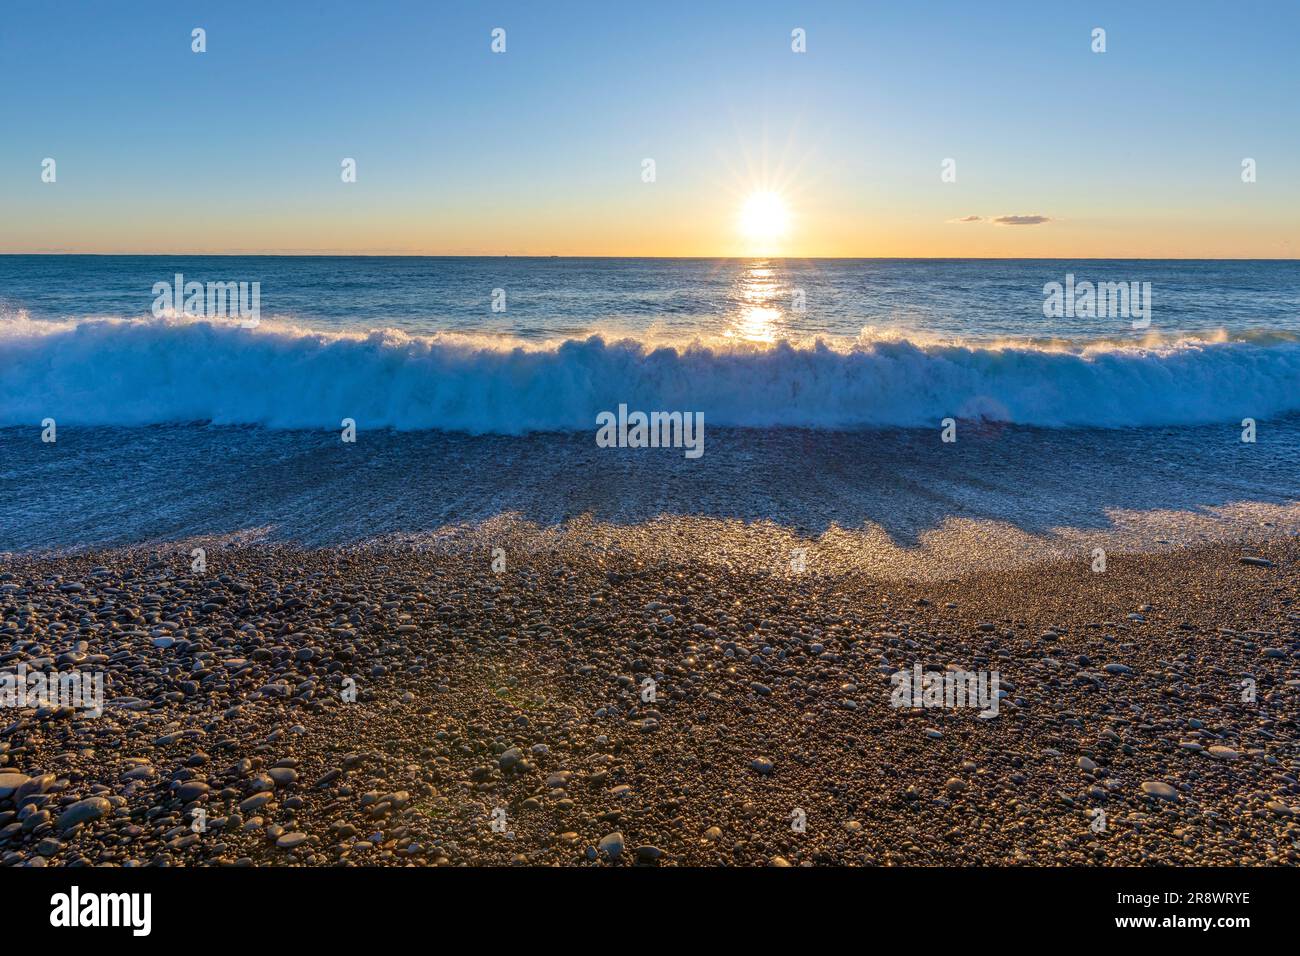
823,218
753,203
753,200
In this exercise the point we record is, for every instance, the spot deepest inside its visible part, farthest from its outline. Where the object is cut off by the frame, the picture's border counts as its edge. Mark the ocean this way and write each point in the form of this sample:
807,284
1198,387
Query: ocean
475,385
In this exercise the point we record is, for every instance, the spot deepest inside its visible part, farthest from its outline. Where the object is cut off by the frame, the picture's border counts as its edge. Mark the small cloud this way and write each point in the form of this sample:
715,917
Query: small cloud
1021,220
968,219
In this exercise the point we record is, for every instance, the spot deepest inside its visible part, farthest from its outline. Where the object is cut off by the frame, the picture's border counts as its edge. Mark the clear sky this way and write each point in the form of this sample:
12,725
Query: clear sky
539,150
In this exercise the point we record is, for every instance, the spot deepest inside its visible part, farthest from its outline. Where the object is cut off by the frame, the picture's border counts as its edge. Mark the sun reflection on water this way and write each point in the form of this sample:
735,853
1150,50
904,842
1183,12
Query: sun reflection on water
760,318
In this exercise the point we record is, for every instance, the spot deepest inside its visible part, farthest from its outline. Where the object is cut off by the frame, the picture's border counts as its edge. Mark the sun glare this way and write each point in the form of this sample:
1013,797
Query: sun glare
763,217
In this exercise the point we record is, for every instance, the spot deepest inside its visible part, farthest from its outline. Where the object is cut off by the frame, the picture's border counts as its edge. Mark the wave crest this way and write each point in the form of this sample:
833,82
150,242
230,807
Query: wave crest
139,372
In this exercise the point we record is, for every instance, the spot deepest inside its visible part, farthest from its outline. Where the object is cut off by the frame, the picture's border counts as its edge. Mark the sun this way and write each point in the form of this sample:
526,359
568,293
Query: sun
763,217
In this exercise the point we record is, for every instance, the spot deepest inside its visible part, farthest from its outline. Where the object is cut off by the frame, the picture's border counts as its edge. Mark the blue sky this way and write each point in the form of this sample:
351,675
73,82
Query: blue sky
1135,151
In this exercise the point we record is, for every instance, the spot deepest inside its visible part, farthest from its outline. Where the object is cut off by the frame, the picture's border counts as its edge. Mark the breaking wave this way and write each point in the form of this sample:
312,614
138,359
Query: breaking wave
140,372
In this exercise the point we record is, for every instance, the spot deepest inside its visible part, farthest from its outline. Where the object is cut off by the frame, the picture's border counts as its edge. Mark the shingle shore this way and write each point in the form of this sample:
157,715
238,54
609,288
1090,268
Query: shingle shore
499,718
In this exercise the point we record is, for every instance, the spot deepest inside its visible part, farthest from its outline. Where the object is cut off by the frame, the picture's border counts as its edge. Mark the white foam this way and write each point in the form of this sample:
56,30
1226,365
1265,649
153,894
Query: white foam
137,372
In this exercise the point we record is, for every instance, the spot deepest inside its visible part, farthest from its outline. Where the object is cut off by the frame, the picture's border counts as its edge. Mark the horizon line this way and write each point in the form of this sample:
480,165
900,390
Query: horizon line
427,255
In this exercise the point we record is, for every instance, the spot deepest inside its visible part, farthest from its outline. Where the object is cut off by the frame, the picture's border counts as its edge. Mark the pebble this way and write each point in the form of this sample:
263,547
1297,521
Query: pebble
191,790
282,776
10,782
1159,789
83,811
611,844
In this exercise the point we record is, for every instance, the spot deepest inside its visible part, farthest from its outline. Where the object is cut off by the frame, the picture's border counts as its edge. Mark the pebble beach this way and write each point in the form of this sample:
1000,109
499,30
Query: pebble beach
406,706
